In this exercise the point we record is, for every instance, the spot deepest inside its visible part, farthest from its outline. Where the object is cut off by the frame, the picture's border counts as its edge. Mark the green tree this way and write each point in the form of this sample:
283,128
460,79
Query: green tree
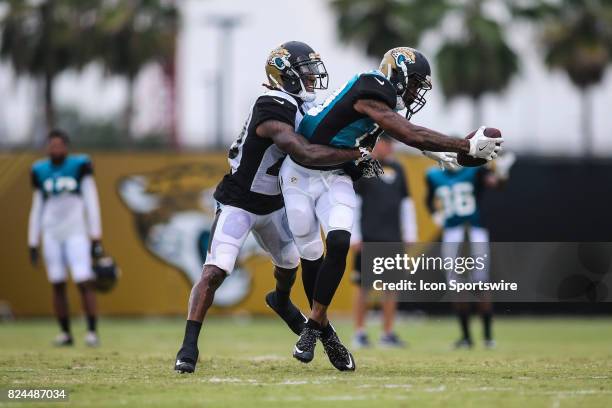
380,25
577,38
43,38
476,62
131,35
472,64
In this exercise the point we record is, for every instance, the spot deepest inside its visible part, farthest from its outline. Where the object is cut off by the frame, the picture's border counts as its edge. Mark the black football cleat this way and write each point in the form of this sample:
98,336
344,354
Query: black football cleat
289,313
338,354
305,346
186,360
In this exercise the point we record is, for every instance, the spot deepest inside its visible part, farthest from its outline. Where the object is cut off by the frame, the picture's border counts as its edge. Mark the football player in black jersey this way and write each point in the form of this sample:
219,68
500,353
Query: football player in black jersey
249,197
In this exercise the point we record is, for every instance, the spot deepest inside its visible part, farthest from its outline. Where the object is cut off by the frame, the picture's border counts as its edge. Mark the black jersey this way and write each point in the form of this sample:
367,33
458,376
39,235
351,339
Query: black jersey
380,204
252,183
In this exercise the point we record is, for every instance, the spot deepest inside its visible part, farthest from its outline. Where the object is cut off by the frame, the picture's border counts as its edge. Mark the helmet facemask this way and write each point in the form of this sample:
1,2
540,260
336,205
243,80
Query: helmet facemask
413,97
306,76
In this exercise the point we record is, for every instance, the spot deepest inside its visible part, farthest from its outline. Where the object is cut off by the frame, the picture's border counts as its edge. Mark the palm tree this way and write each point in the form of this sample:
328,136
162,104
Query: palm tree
41,39
133,34
383,24
577,38
477,62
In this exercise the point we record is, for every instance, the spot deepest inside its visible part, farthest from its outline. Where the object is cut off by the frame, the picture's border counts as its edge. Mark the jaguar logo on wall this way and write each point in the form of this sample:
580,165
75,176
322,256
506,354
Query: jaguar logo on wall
173,211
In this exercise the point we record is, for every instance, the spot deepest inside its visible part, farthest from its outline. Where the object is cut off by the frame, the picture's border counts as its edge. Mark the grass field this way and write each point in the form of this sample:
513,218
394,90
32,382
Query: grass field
247,363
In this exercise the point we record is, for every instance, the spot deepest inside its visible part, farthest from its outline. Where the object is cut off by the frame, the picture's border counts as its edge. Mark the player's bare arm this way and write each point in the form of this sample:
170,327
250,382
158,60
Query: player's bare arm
402,130
300,149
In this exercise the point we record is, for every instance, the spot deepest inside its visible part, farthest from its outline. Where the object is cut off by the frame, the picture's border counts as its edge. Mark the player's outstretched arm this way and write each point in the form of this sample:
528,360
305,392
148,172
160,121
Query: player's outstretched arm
412,135
296,146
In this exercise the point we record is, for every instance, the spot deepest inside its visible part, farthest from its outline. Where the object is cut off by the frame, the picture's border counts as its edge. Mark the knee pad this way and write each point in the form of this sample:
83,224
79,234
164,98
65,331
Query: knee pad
338,242
223,256
312,250
290,257
300,221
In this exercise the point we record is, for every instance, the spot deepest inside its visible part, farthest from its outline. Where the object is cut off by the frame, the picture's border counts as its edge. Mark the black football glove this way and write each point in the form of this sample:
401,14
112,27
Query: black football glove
369,166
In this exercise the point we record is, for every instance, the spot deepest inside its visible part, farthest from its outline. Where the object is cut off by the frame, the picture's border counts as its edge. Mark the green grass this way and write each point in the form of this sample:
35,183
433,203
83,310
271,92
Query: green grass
247,363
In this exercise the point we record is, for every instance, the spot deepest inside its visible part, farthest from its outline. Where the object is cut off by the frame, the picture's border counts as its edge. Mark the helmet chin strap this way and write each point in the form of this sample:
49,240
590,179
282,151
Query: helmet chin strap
306,96
400,105
303,94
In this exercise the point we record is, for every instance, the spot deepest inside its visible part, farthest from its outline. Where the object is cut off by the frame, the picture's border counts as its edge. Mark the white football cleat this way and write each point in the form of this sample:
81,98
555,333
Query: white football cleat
63,340
92,339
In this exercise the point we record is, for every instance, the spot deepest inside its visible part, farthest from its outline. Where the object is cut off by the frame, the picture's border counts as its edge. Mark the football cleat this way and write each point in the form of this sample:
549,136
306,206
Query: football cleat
63,340
92,339
305,346
360,340
391,340
186,360
338,355
490,344
289,313
463,344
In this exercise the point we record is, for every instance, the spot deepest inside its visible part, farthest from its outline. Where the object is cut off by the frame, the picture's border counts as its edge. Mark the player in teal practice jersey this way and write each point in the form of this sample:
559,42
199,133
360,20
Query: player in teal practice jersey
323,196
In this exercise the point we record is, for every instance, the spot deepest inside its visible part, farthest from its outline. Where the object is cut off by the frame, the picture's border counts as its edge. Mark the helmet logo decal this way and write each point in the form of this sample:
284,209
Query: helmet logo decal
403,55
279,63
279,58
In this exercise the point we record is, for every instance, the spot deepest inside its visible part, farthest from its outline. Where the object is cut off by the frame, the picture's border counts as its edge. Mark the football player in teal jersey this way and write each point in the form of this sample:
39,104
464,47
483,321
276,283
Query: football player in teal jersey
323,196
66,214
453,199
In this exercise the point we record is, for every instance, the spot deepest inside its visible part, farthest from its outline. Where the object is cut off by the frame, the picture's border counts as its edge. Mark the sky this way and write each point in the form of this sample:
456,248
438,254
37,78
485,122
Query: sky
539,113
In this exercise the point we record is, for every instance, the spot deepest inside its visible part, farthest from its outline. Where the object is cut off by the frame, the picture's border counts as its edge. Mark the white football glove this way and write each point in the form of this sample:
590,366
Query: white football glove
484,147
504,163
446,160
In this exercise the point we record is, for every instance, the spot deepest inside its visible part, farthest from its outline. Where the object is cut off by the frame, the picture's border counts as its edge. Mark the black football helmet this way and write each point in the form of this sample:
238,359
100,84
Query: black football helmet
107,273
296,69
409,71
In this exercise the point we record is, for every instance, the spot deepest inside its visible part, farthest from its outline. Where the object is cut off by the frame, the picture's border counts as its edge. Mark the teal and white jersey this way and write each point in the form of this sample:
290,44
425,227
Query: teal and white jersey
53,180
457,192
337,123
65,200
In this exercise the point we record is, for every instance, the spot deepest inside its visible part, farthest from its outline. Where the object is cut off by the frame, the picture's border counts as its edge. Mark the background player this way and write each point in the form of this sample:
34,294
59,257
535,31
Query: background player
324,197
453,197
384,213
249,197
65,211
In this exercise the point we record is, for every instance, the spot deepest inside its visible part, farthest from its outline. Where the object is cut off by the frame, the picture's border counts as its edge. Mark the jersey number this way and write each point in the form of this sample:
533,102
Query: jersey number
60,184
458,199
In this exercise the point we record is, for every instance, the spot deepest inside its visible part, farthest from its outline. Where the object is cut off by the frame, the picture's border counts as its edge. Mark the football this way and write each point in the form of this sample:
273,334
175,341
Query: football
466,160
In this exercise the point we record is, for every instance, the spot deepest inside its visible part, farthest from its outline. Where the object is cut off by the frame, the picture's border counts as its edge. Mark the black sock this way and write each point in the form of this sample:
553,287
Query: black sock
464,321
333,266
64,323
310,270
487,317
285,278
313,324
92,323
327,331
192,332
